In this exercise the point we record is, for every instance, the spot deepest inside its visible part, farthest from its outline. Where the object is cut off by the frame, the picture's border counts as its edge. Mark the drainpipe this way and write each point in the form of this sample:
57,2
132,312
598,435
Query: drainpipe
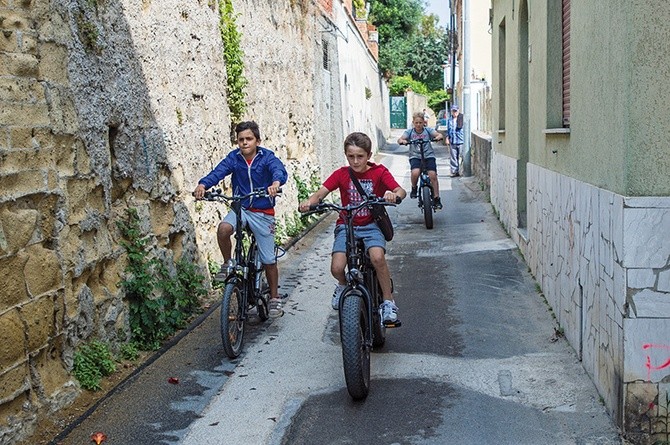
452,23
467,170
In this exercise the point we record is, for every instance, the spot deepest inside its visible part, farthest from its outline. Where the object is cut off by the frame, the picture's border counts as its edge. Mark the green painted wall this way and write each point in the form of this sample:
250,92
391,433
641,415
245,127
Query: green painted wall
620,99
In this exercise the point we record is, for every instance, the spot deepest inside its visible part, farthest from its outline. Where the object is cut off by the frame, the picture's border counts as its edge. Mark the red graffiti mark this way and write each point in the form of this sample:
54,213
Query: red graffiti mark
648,364
651,345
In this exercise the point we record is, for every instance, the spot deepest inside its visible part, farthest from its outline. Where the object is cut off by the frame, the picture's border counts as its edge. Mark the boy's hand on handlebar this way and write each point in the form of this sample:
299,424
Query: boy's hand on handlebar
305,206
199,191
274,189
391,197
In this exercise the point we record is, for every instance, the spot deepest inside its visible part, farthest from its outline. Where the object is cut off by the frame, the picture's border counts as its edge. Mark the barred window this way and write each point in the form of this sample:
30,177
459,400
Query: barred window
566,62
326,59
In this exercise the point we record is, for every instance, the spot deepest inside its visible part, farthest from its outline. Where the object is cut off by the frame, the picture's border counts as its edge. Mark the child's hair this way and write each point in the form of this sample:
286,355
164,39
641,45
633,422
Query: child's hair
248,125
418,114
359,140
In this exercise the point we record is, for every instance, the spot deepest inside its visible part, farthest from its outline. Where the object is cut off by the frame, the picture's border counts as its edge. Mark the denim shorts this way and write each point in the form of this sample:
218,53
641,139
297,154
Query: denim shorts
370,234
431,164
263,227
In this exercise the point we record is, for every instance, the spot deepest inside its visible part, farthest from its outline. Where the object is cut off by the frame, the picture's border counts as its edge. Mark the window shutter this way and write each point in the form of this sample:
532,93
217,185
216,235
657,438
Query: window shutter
566,63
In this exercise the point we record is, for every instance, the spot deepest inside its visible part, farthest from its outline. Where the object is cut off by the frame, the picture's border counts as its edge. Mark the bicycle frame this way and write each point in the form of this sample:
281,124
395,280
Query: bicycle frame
356,265
244,283
425,186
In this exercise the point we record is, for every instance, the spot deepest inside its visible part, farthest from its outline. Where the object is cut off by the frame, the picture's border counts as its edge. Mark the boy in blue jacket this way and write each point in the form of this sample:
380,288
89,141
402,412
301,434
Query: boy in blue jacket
251,167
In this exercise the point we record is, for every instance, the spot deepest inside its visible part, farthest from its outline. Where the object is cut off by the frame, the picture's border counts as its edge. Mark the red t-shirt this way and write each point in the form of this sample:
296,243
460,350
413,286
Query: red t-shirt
376,180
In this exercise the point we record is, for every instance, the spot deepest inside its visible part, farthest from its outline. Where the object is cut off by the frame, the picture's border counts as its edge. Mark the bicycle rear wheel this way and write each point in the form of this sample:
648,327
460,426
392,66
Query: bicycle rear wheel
232,319
427,200
262,295
355,353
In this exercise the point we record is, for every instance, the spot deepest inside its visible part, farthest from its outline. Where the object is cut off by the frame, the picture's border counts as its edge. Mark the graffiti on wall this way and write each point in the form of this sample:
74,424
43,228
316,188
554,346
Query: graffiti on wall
657,351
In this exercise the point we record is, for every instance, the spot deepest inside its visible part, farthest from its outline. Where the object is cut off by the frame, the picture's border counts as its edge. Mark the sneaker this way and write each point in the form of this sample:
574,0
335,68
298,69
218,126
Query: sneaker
226,269
222,274
389,312
275,308
454,175
414,193
335,301
437,203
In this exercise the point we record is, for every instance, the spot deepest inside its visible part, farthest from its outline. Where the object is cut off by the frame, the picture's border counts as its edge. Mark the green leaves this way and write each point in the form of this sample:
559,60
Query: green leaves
232,55
411,43
92,361
161,295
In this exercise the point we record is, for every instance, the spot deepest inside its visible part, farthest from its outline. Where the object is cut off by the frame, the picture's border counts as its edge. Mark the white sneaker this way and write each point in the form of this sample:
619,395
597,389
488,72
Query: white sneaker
335,301
389,311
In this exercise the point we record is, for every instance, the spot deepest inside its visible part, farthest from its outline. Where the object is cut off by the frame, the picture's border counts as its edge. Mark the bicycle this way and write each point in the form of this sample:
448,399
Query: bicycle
245,284
360,319
424,186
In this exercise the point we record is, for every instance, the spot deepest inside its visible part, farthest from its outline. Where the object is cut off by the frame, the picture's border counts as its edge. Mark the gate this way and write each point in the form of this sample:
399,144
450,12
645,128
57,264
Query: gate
398,112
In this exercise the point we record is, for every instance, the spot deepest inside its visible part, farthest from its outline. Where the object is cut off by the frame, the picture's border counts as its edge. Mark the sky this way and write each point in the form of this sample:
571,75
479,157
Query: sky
439,8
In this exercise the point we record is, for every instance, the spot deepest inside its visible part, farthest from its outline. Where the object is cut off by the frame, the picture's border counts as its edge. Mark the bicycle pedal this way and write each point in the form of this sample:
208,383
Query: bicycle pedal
392,324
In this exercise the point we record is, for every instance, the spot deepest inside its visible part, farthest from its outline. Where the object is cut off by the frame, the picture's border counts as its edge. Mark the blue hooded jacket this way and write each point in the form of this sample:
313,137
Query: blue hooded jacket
263,171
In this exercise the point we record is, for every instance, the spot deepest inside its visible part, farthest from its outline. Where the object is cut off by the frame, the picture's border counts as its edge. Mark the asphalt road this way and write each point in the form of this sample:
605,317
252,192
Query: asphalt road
475,362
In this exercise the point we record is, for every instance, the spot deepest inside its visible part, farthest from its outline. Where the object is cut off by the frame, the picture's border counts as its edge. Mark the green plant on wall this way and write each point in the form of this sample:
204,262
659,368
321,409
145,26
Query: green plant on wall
159,301
368,93
232,55
295,223
92,362
88,33
359,9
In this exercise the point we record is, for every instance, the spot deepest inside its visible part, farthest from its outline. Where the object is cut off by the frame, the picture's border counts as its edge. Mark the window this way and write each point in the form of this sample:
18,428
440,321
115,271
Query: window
566,61
326,59
501,76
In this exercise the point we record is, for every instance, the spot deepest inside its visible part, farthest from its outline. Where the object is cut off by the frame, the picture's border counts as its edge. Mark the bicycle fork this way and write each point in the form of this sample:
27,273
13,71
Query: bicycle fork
355,278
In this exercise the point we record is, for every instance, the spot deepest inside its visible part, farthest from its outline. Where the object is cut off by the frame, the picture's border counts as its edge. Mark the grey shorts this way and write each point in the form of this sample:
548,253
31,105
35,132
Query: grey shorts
370,234
263,227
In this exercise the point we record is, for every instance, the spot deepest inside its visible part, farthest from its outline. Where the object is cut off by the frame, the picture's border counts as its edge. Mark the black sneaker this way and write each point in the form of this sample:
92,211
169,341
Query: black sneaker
414,193
437,203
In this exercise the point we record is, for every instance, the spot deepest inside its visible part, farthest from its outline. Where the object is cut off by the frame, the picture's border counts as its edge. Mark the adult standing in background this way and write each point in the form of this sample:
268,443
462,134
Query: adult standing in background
455,139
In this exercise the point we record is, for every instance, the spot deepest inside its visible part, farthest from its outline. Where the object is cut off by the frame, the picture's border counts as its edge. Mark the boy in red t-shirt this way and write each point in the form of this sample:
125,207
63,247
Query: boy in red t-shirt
376,180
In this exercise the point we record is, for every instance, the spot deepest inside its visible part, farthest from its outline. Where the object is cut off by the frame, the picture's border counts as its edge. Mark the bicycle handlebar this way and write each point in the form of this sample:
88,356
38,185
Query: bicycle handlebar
419,142
217,195
349,208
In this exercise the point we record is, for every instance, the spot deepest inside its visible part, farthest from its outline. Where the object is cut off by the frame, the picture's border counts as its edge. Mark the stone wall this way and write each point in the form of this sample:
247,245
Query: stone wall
106,106
481,158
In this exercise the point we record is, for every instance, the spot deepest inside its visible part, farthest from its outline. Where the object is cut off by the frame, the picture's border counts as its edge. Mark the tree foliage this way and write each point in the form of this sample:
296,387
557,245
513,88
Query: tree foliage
411,42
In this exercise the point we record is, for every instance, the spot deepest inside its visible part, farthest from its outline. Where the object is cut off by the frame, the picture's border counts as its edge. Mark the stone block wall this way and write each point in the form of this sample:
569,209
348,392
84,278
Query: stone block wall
481,158
603,262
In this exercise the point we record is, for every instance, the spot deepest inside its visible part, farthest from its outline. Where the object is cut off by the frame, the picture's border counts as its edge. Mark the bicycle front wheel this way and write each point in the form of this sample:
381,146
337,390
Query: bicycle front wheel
355,352
427,200
232,319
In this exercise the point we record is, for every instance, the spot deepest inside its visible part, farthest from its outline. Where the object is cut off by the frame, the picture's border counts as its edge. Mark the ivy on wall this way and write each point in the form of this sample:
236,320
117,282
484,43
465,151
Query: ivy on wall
232,55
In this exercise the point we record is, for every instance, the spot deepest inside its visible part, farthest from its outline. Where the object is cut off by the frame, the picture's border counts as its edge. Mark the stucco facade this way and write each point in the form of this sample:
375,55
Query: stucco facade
589,202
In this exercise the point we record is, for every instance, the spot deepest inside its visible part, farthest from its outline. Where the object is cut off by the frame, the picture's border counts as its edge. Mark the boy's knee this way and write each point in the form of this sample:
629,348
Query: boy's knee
225,229
377,256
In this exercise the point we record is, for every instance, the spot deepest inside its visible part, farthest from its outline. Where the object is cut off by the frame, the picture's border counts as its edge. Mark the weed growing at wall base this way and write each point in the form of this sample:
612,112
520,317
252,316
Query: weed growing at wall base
92,362
161,296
